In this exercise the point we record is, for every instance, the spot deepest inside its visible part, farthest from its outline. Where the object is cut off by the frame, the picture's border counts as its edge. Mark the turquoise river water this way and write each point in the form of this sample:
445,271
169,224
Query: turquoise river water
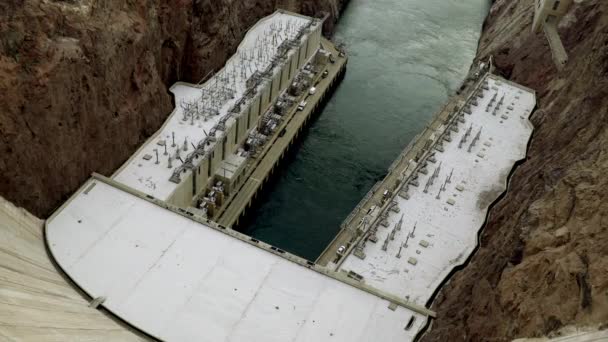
405,58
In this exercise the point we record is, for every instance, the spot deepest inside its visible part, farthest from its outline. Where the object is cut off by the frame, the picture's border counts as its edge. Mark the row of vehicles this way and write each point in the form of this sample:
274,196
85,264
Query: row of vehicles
311,91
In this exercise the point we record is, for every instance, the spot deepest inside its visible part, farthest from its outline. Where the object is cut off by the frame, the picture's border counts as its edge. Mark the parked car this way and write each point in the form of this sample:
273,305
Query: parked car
302,105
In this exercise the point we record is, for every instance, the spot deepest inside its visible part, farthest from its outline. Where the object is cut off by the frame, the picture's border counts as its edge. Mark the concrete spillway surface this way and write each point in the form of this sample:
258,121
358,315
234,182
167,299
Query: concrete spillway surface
445,202
36,302
179,280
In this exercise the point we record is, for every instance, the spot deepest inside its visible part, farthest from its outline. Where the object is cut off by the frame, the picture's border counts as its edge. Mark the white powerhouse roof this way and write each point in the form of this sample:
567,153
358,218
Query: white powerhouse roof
221,93
446,233
179,280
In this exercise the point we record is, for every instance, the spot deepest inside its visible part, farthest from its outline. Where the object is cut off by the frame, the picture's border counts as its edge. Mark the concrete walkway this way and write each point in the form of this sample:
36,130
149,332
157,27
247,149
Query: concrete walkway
595,336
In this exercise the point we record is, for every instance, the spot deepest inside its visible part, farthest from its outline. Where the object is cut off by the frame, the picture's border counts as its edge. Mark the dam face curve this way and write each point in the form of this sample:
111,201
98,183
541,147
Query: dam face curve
37,303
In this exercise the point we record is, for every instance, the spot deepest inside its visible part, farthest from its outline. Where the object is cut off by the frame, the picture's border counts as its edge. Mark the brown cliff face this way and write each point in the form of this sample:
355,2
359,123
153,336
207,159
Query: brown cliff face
84,82
543,260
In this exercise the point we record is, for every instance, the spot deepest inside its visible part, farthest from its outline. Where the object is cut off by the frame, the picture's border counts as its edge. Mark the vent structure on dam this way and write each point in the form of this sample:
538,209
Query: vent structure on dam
145,244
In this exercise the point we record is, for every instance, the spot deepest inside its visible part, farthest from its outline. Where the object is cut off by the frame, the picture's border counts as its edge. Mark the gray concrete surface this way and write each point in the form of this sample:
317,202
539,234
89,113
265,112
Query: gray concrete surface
36,302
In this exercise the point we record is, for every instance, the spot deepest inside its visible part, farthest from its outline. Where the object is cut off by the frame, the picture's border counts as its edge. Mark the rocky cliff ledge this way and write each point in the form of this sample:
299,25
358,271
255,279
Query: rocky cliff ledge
543,260
84,82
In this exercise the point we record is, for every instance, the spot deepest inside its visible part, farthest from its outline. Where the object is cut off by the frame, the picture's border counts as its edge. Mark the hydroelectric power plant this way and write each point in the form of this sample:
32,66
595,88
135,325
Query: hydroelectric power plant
153,245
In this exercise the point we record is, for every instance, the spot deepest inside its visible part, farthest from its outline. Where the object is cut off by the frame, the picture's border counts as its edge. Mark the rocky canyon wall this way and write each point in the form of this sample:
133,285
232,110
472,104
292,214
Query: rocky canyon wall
543,260
84,82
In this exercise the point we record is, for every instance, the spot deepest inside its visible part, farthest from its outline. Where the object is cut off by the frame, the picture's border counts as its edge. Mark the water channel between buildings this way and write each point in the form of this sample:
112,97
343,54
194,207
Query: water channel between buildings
405,58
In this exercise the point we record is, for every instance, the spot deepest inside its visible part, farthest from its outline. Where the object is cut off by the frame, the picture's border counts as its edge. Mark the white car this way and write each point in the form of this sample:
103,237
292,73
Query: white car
302,105
312,91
